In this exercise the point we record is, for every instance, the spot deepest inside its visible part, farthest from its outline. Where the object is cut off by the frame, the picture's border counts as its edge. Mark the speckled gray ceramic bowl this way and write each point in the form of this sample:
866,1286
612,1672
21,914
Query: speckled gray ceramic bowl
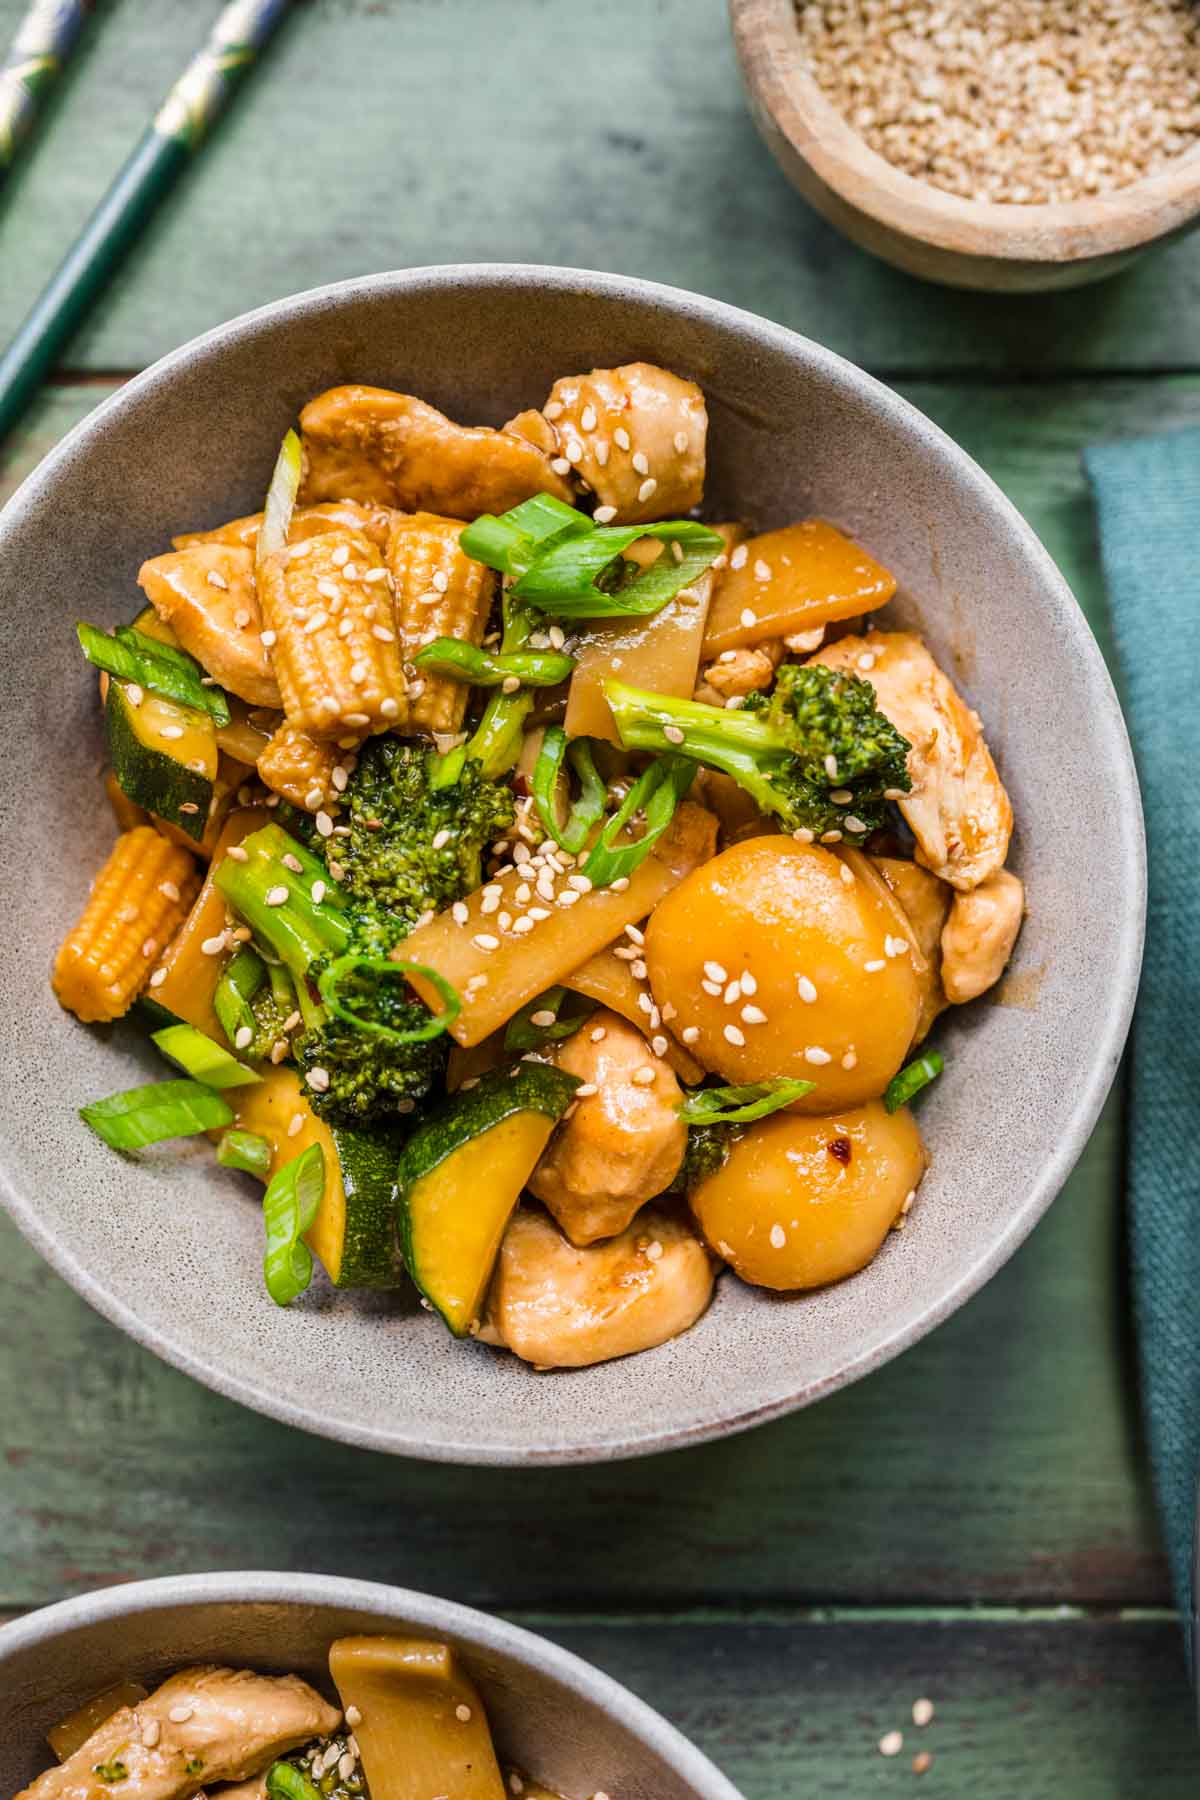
169,1246
552,1716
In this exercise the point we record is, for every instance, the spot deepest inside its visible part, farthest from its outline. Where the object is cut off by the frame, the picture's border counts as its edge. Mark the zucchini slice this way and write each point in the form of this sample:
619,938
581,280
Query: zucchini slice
353,1234
164,756
461,1174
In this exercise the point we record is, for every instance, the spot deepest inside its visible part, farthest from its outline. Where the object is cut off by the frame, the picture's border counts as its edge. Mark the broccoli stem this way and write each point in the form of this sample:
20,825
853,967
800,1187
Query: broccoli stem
299,929
742,745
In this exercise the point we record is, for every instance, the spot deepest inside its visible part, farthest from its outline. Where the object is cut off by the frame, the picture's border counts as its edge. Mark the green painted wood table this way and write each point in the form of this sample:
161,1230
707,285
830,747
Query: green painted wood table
973,1522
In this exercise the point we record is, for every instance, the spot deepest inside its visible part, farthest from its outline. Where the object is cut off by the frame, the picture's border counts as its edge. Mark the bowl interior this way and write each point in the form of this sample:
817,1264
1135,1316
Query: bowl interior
170,1246
551,1715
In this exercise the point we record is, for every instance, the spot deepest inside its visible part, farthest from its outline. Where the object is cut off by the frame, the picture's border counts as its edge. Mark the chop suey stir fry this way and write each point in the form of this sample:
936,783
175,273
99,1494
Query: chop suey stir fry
409,1726
544,894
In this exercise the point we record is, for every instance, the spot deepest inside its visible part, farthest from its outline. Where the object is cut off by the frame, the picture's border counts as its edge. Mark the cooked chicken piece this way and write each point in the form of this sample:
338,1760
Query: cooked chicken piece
307,521
635,436
557,1306
979,936
624,1141
958,809
377,447
926,901
204,1725
208,596
740,672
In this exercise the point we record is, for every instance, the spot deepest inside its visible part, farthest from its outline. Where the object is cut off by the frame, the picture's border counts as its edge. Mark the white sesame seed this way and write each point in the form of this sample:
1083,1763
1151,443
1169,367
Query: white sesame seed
158,977
849,1061
748,617
460,912
346,1766
621,438
603,514
853,823
291,862
441,580
188,806
376,575
690,1033
715,972
620,884
873,967
778,1237
134,694
383,634
831,767
462,1712
340,779
867,661
266,639
581,883
569,897
170,889
318,1080
179,1715
241,618
733,992
510,684
151,1732
598,1036
346,627
753,1015
762,570
818,1057
213,946
277,896
170,731
356,718
442,838
574,452
895,946
712,987
553,409
542,1018
340,555
324,824
485,941
922,1712
643,1076
674,734
586,1089
831,837
638,969
318,892
805,988
647,488
654,1251
681,442
587,418
296,1122
215,579
733,1034
640,463
738,558
243,1037
841,796
891,1743
560,465
353,1717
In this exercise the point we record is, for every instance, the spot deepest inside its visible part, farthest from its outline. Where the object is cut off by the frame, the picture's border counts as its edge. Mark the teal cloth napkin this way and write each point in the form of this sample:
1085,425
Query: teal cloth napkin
1148,498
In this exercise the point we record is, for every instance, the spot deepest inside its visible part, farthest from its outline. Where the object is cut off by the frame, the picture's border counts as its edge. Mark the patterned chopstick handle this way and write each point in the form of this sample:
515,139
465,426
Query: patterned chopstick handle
41,47
202,90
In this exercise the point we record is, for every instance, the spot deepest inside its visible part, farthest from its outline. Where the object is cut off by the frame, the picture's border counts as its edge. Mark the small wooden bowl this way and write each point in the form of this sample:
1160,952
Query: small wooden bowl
922,229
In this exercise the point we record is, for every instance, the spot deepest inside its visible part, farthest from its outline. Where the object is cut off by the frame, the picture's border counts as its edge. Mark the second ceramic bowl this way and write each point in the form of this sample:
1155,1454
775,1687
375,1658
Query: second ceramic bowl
169,1246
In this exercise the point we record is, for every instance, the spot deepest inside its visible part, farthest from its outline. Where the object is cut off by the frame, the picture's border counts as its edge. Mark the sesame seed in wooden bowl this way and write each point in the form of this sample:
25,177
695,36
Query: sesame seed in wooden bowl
1055,140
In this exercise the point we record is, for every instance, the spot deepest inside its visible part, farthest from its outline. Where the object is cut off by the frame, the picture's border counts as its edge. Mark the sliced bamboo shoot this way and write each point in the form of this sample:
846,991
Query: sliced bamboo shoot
661,653
421,1728
610,980
793,580
497,966
71,1733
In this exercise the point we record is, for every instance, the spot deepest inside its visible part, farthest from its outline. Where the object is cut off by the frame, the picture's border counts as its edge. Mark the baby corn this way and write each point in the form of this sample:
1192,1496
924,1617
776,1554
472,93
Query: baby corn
331,630
138,902
304,769
439,593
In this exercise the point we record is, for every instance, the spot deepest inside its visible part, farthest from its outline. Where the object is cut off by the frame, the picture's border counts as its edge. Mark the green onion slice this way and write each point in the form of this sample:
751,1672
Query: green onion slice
522,1033
656,792
739,1105
588,809
160,1110
289,1208
463,662
912,1078
132,656
510,543
286,1782
241,979
245,1150
281,499
198,1056
346,968
587,578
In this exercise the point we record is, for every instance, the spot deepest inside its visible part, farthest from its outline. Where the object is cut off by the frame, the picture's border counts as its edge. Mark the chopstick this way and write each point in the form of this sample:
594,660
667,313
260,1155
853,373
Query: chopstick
196,99
37,56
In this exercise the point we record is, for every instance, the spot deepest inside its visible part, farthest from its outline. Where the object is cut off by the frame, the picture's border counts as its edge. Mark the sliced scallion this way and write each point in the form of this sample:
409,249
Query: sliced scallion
241,979
912,1078
245,1150
740,1105
159,668
656,793
463,662
281,499
156,1112
588,578
586,811
198,1056
345,969
511,542
289,1207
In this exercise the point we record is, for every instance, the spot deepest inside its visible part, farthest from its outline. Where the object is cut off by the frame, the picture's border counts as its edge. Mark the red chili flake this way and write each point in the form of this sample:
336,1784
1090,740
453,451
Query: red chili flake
840,1149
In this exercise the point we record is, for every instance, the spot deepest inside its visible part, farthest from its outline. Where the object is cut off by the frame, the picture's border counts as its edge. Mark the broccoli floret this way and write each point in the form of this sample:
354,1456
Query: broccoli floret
320,1765
413,847
409,848
817,734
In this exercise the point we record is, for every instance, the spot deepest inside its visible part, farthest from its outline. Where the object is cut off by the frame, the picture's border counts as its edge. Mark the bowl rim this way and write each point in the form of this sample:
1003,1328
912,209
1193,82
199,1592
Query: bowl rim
1106,1042
480,1630
1061,233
